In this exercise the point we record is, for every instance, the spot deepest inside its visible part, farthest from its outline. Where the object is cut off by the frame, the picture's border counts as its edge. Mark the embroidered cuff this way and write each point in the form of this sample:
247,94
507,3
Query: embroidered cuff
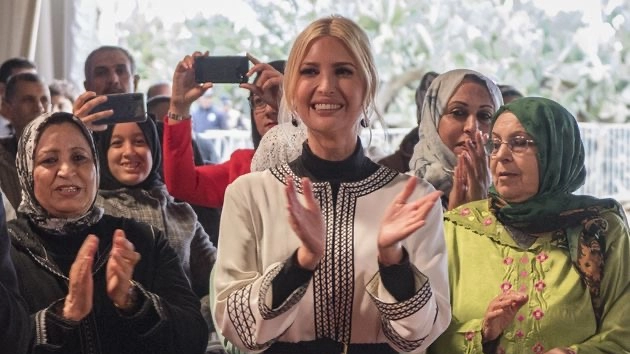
288,279
398,310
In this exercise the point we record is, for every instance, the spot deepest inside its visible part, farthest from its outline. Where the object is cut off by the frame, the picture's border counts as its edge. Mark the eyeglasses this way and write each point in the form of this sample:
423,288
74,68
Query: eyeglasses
257,103
517,144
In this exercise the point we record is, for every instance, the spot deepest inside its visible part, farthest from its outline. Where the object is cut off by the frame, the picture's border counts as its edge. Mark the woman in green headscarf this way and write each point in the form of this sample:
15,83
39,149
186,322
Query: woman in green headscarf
536,268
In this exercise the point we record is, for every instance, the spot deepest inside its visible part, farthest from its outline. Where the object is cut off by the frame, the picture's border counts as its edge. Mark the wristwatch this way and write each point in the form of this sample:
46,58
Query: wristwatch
177,117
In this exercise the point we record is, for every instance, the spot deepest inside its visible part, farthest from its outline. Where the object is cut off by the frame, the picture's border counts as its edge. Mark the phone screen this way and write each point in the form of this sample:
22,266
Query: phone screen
221,69
127,107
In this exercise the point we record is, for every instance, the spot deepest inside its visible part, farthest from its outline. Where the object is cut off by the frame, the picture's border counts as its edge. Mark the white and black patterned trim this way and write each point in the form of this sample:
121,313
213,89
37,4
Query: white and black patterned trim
268,313
396,339
400,310
333,281
243,319
41,336
281,171
333,306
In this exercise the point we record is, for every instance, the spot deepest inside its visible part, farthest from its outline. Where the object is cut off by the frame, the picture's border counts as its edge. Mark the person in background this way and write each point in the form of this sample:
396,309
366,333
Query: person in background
203,153
233,116
61,96
509,93
14,319
455,120
205,185
399,160
556,272
26,96
358,262
207,115
110,69
92,282
9,68
157,107
159,89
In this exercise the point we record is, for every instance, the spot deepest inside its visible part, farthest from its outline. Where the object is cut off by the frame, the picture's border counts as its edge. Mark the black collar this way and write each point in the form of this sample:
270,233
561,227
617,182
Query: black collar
354,168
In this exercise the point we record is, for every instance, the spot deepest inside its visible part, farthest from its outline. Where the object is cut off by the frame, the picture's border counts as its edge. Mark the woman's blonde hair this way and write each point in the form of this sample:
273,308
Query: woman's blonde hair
352,37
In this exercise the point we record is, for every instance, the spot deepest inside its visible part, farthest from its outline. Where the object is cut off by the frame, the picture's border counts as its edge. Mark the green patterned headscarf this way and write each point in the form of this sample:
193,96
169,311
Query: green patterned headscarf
560,167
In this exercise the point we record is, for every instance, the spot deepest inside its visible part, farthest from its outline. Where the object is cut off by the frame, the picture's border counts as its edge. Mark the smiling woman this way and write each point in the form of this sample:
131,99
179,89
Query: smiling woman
114,275
130,160
359,244
64,197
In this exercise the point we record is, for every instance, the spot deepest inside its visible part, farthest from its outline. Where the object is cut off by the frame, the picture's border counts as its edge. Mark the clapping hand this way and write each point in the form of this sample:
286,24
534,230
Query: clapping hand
401,219
307,222
78,302
122,261
501,313
471,179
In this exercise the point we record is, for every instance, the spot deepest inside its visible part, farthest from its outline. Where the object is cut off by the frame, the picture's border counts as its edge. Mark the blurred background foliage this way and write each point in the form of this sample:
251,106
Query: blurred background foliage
514,42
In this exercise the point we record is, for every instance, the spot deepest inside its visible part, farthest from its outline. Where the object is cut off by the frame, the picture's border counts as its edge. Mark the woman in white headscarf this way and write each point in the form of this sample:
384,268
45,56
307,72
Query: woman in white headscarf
455,120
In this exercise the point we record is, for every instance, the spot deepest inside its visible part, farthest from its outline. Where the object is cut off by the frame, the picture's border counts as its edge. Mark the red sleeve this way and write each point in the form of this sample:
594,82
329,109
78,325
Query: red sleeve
199,185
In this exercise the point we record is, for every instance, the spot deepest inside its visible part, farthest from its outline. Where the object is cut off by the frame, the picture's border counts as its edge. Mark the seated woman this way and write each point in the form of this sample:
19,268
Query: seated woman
205,185
536,268
130,186
94,283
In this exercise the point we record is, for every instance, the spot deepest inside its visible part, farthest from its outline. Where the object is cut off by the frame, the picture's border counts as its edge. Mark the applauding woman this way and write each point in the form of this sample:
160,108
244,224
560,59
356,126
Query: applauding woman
536,268
358,264
94,283
453,128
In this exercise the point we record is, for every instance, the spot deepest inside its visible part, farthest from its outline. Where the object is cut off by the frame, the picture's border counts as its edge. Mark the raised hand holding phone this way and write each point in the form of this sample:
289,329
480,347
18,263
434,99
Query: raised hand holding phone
267,84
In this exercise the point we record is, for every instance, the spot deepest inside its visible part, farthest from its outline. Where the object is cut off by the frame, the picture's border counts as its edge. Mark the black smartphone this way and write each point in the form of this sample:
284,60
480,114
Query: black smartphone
128,107
221,69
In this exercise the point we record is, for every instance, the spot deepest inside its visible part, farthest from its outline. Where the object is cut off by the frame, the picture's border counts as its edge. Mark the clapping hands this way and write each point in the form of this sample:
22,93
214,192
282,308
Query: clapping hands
119,271
401,219
307,222
471,178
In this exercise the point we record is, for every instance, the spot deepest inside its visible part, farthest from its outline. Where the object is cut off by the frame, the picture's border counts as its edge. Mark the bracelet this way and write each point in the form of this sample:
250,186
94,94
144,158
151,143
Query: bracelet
177,117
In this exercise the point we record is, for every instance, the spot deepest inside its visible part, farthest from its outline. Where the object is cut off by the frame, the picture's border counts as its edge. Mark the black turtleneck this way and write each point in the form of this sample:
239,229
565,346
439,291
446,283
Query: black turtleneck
354,168
398,279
